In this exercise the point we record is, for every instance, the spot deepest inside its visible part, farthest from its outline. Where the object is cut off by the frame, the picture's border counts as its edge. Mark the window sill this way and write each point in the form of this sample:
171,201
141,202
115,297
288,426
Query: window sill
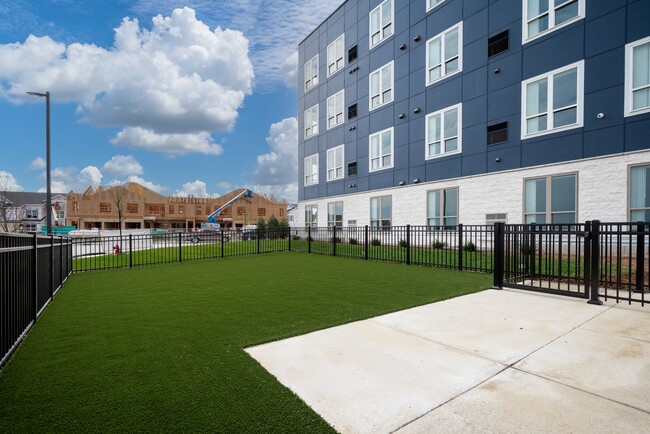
552,131
379,106
446,154
443,78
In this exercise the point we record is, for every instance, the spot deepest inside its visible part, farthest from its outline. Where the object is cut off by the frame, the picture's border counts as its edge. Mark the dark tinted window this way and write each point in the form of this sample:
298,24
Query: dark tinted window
497,133
498,44
352,169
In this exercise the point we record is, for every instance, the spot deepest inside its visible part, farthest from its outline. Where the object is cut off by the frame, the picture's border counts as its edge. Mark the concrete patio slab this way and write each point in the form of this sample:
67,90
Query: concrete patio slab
517,402
610,366
367,378
501,326
622,321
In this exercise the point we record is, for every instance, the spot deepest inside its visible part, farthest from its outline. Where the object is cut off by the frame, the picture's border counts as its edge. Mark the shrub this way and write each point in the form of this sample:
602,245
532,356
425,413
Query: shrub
375,242
336,240
403,243
438,245
352,241
296,238
309,239
469,247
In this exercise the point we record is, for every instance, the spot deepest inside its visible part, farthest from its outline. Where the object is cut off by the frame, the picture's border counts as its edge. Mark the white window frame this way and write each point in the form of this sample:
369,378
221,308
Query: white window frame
382,26
379,200
443,139
629,71
442,36
338,61
32,213
381,156
312,78
551,20
332,168
313,128
309,210
580,97
441,206
431,4
309,177
382,92
331,216
338,106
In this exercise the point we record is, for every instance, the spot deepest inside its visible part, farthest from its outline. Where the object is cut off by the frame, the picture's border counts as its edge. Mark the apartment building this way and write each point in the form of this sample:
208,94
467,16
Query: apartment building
145,209
438,112
23,211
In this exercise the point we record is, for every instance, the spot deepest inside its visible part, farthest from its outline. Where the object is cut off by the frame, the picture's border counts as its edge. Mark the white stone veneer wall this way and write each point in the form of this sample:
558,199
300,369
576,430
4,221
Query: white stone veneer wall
602,194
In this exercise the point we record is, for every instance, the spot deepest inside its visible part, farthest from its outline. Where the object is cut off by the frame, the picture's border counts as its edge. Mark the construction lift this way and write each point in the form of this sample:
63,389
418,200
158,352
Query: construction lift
212,218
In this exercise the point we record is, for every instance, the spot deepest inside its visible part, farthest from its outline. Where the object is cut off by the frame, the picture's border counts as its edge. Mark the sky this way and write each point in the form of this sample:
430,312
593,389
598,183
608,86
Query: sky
187,98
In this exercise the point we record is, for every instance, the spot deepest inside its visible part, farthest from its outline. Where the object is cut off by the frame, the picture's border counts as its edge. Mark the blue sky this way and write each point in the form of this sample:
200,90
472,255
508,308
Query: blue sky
194,97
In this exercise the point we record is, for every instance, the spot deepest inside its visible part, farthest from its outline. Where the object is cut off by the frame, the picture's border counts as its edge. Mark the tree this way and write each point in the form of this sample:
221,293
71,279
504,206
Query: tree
7,212
273,225
261,228
119,196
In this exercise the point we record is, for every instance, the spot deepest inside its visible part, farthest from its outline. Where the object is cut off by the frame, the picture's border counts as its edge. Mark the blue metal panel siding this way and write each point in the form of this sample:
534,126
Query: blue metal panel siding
488,97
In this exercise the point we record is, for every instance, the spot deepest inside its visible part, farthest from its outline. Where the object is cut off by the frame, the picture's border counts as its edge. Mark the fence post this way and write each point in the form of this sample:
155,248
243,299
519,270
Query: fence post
595,266
586,266
51,267
334,240
180,247
61,261
35,286
130,250
460,247
258,240
532,251
499,234
365,243
289,240
408,244
640,257
309,239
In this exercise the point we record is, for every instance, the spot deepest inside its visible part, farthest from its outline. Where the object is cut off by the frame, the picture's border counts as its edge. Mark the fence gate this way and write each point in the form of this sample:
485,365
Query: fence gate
551,258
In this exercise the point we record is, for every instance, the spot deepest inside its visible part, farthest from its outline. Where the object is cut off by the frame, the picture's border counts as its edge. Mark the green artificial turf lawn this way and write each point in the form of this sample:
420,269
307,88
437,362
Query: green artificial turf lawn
161,348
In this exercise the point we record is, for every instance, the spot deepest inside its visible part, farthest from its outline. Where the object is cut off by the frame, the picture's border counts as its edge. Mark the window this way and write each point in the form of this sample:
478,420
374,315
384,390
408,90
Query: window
442,207
352,54
542,16
335,109
104,207
181,209
381,86
60,214
335,55
352,169
311,73
380,211
444,54
207,210
381,23
640,194
311,216
132,208
335,214
261,212
498,43
381,150
637,77
311,170
311,121
335,163
432,4
241,210
199,211
443,132
553,101
352,111
551,199
31,213
492,218
171,209
75,206
497,133
281,212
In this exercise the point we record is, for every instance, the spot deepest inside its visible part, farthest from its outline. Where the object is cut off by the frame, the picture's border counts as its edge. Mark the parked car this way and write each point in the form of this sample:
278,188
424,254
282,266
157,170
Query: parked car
207,235
249,232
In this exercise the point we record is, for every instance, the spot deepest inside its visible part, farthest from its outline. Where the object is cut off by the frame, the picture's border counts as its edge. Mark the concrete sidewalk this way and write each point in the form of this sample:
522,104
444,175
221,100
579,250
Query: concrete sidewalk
494,361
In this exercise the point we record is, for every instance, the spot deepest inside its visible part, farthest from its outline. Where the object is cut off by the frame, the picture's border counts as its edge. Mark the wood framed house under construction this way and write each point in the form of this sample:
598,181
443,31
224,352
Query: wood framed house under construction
142,208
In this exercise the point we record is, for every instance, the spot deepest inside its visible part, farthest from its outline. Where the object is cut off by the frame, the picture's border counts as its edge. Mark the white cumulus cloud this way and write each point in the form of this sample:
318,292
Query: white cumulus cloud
38,164
179,78
123,165
277,171
150,185
66,179
8,182
196,189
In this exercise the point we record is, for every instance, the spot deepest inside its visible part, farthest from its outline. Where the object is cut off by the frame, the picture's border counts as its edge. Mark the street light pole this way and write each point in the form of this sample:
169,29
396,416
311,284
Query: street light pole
46,95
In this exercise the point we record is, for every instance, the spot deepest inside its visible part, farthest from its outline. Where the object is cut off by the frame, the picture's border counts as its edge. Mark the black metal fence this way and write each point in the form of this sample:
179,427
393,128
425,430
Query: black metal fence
32,270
